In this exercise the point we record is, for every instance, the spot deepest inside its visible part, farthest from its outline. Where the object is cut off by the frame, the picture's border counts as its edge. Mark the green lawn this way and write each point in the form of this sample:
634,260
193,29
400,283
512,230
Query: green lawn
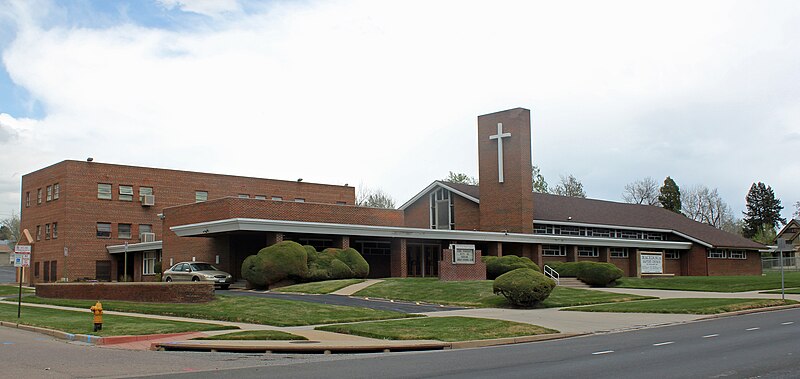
323,287
787,291
81,322
12,290
241,309
478,293
687,306
252,335
714,283
448,329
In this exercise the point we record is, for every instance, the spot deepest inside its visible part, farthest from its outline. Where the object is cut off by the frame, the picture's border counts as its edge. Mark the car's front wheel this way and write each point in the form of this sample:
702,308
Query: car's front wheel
224,286
168,280
195,279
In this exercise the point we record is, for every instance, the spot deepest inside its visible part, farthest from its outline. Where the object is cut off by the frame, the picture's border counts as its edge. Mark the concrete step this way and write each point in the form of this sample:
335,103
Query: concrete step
572,283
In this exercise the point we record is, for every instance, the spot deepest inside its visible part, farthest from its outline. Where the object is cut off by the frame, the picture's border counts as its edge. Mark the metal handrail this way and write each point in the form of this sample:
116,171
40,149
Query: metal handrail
553,274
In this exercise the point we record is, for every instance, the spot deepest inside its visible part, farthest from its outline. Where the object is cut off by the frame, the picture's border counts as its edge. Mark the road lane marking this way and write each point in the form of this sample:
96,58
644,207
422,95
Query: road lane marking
787,323
711,336
663,343
751,329
603,352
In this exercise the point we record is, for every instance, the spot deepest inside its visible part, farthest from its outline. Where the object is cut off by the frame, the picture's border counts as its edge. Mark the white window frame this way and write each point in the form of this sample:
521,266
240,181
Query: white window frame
299,200
739,254
200,196
98,230
144,191
588,252
125,193
277,198
103,192
619,252
149,262
440,195
39,196
716,254
562,251
56,191
49,193
672,255
55,230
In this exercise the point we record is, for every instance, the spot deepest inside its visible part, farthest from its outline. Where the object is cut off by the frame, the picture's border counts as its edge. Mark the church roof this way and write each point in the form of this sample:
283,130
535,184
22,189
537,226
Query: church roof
567,209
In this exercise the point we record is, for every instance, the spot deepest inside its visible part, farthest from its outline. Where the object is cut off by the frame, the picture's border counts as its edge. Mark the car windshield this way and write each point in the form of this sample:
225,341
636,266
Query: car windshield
203,267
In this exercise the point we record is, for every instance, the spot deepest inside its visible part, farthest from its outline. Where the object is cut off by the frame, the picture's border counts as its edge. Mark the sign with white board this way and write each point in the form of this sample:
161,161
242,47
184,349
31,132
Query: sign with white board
22,256
463,254
651,262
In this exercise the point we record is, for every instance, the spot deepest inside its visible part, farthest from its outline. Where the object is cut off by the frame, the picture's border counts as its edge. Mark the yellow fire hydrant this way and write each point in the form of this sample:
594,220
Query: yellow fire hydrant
97,310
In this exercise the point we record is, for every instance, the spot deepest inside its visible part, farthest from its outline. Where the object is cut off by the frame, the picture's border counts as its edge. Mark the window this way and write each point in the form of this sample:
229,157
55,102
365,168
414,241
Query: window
539,229
737,254
125,193
570,230
103,230
124,230
299,200
588,251
27,199
244,196
672,254
38,232
56,191
49,193
277,198
55,230
149,262
260,197
200,196
619,252
39,196
554,251
441,214
145,228
104,191
145,191
47,231
716,254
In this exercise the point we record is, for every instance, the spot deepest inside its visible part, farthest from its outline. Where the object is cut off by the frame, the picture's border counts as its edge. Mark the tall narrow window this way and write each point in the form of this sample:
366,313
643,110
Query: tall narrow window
104,191
441,210
39,196
200,196
149,262
103,230
27,199
125,193
124,231
49,193
55,230
38,232
47,231
56,191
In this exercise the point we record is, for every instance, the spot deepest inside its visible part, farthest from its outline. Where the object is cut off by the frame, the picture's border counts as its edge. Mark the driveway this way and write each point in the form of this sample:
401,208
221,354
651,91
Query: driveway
383,305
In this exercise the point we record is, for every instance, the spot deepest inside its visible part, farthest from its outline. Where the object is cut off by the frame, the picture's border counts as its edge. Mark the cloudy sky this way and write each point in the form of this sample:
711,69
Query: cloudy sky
386,94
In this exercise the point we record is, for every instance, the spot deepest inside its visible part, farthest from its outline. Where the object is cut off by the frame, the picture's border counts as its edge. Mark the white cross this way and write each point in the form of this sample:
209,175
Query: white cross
499,137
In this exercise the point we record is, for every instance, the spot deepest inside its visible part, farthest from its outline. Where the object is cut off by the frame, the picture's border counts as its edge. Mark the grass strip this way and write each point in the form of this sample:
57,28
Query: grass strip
448,329
478,293
81,322
767,281
12,290
790,291
323,287
684,306
252,310
255,335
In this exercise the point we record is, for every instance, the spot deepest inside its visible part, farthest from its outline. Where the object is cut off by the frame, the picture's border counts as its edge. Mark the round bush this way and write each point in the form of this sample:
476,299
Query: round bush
496,266
354,261
599,274
252,271
524,287
283,260
339,270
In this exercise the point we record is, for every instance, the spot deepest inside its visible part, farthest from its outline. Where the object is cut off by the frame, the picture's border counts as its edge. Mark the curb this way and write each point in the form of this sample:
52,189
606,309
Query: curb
512,340
88,338
750,311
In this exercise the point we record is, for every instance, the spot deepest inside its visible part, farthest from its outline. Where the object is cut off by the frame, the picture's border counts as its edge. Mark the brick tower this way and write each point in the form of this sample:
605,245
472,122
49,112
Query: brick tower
504,169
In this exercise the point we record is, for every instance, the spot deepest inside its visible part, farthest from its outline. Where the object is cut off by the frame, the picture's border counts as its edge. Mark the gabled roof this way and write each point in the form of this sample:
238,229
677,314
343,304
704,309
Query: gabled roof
784,231
575,210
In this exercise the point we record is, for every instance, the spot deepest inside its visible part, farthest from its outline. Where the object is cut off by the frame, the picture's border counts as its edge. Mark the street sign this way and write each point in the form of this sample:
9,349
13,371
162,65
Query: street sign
22,256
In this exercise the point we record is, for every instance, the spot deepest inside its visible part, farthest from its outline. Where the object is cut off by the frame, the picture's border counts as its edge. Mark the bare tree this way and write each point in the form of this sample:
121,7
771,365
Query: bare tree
704,205
460,177
644,191
375,198
10,227
570,186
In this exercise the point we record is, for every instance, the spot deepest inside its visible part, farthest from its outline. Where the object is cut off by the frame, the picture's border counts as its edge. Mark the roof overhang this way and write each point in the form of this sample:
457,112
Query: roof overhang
439,185
134,247
261,225
677,233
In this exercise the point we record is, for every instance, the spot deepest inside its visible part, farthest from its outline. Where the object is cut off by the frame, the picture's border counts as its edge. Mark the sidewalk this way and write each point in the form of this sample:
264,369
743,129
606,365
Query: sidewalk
675,294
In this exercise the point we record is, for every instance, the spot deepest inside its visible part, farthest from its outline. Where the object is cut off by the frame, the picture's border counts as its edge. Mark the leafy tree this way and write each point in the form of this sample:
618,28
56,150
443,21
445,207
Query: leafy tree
374,198
539,184
460,178
570,186
763,210
705,205
644,191
765,235
9,227
670,195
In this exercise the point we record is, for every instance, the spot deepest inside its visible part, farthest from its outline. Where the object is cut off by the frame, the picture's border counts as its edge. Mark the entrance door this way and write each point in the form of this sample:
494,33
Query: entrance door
423,259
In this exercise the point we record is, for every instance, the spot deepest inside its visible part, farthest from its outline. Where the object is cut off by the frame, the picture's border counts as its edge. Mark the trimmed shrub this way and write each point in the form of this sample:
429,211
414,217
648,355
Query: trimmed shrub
599,274
496,266
281,261
340,270
252,271
523,287
354,261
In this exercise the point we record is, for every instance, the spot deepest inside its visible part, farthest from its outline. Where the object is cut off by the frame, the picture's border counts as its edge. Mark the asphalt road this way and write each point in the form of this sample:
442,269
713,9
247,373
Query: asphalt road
8,274
763,344
403,307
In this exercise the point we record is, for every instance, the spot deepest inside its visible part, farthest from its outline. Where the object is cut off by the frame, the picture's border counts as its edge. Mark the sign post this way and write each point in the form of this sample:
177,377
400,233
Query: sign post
22,259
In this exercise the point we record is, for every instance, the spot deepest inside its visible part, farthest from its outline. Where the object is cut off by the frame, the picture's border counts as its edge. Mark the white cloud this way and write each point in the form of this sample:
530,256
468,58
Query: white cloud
388,93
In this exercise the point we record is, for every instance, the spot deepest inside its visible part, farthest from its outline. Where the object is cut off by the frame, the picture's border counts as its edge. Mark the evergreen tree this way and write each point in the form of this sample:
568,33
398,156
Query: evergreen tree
670,197
763,211
539,184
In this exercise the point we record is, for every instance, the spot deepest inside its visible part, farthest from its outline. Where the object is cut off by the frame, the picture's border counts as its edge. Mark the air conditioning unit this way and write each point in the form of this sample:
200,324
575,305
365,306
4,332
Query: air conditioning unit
148,200
147,237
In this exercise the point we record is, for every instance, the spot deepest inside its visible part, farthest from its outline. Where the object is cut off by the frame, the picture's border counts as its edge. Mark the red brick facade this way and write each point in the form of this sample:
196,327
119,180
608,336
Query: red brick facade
148,292
450,271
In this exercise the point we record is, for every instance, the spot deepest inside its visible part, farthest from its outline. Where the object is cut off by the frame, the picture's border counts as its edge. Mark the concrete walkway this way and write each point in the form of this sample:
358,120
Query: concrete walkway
674,294
350,290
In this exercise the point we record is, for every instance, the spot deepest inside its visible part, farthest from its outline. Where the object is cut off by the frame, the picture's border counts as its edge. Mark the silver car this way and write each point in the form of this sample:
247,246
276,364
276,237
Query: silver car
196,272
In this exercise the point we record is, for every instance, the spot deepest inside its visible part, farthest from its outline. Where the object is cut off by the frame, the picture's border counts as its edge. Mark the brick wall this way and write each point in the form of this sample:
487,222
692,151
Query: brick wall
453,272
727,266
143,292
418,214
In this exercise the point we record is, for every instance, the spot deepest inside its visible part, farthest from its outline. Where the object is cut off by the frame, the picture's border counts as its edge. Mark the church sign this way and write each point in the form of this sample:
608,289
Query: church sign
463,254
651,262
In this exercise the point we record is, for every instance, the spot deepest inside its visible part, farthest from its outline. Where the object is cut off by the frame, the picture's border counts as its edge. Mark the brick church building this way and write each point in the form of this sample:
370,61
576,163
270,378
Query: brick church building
100,221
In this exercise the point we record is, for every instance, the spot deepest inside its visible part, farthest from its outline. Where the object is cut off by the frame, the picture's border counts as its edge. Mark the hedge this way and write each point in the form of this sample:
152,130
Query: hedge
496,266
523,287
598,274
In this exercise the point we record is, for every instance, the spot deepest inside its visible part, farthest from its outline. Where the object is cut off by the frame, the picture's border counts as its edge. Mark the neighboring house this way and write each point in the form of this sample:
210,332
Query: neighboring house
100,213
791,235
5,253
